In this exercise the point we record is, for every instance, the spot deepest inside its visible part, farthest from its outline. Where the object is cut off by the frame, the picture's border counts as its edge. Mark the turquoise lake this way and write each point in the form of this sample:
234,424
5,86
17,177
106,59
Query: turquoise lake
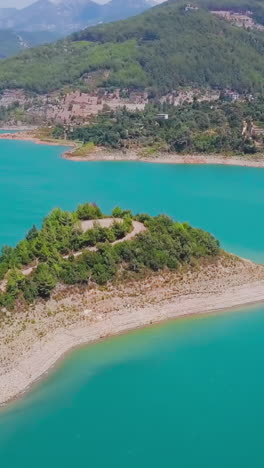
185,394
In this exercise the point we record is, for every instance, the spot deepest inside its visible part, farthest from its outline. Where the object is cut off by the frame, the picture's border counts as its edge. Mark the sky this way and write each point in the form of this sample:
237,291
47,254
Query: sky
23,3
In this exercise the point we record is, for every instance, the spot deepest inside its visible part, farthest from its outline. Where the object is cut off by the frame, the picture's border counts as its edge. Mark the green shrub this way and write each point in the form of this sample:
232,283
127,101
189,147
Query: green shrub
89,211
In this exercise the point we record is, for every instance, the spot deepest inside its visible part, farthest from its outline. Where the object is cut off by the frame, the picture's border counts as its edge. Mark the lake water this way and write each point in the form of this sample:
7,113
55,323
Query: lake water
227,201
186,394
10,131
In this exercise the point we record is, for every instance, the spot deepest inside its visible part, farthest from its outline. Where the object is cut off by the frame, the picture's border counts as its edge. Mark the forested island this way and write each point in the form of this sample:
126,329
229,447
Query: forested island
87,247
85,275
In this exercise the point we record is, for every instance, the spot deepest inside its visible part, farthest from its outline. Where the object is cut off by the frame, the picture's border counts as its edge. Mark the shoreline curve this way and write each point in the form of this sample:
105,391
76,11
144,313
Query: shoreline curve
44,354
201,298
80,341
133,156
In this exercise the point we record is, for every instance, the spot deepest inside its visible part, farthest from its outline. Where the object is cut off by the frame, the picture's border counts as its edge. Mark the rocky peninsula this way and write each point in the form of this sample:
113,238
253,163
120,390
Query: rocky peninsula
92,276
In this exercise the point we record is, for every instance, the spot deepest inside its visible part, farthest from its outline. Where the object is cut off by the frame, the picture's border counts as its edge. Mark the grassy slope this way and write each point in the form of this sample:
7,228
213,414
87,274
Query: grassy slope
164,47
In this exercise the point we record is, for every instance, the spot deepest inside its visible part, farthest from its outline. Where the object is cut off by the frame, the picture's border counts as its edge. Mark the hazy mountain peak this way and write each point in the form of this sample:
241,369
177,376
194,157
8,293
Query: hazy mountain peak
66,16
72,3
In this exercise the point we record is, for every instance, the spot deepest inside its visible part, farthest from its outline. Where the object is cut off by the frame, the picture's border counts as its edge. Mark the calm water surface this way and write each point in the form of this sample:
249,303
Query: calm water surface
10,131
187,394
227,201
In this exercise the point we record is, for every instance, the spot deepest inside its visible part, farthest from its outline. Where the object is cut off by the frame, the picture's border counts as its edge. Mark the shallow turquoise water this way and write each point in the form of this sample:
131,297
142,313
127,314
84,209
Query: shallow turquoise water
10,131
227,201
186,394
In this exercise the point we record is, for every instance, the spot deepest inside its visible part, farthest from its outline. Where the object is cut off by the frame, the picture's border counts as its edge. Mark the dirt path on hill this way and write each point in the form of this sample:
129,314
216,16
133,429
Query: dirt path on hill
107,222
86,225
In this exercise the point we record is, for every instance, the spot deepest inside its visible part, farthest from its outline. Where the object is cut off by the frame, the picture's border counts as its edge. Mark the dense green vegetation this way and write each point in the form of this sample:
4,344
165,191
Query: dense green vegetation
162,49
199,127
50,67
164,244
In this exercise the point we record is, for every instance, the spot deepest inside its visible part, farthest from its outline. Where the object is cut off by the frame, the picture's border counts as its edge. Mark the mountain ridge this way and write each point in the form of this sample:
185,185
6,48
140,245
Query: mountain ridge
45,21
162,48
65,17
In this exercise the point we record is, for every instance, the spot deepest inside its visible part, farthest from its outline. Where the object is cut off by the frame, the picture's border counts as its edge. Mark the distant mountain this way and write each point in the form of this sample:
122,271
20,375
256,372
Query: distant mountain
6,12
120,9
66,16
162,49
13,42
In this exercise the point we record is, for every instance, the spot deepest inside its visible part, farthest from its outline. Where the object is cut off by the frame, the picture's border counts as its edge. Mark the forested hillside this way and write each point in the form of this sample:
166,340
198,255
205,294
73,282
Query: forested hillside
162,49
45,21
205,127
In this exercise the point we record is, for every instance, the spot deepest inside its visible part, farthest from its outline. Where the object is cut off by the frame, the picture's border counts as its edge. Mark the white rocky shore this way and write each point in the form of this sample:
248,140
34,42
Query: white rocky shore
31,343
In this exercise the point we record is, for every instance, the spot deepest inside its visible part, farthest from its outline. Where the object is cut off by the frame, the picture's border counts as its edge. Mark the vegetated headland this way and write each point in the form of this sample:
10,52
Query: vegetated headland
84,276
218,132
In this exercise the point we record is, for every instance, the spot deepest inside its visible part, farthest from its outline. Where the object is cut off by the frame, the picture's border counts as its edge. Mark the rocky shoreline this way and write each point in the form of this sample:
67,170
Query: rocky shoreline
39,338
101,154
167,158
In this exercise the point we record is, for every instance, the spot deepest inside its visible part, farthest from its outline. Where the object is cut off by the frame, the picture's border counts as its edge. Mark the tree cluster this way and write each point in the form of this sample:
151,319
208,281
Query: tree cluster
164,244
201,127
